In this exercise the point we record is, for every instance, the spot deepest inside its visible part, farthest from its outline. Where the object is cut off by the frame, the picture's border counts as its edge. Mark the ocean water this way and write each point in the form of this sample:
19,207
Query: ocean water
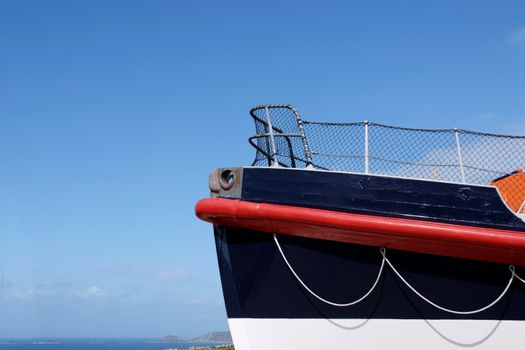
94,344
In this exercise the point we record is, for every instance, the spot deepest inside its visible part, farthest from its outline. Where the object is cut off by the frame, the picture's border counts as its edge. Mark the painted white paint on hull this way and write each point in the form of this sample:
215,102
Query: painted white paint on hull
375,334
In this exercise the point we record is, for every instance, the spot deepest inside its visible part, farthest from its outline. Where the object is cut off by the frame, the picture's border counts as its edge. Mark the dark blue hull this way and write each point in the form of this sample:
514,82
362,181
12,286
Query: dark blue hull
257,283
453,203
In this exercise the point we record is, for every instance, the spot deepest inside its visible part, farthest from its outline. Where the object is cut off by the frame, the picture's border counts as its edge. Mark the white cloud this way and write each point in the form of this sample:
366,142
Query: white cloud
29,293
517,37
92,292
54,293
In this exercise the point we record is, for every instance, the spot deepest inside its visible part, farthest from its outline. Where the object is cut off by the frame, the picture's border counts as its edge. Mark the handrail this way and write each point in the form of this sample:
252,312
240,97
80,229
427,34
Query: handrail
453,155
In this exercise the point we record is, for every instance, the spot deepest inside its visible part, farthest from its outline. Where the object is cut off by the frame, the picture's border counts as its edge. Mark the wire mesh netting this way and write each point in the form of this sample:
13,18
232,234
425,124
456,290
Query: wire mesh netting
279,136
454,155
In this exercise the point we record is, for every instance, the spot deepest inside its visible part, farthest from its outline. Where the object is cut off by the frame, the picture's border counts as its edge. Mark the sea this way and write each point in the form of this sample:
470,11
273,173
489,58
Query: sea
95,344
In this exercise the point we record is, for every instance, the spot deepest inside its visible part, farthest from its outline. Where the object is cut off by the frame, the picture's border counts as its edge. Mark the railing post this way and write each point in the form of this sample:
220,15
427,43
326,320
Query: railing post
460,157
300,126
366,147
307,151
275,161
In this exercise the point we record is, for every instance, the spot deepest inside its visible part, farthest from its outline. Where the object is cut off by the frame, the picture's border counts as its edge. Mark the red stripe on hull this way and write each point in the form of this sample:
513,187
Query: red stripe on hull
406,234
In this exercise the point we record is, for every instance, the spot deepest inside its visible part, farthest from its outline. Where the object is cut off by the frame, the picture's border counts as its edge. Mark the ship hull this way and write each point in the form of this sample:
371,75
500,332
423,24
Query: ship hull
421,264
269,309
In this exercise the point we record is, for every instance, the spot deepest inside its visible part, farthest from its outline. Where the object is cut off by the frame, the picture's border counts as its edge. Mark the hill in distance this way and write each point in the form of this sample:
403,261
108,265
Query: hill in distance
211,337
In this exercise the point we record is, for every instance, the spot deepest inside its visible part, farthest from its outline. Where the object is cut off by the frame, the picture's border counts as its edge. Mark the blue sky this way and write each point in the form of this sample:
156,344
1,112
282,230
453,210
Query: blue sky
112,114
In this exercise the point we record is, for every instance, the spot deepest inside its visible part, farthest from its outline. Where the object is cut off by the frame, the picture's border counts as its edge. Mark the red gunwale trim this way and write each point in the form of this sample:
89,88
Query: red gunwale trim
420,236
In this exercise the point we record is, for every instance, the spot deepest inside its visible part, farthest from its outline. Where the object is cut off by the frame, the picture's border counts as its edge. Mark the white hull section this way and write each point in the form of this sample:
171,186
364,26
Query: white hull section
375,334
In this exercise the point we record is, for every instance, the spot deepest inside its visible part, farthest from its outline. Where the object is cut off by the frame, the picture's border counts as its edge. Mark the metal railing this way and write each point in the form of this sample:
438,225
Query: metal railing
279,121
283,138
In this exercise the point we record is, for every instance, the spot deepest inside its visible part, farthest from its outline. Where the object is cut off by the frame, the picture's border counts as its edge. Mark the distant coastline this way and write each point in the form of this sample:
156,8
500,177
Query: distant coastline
210,337
218,347
213,340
